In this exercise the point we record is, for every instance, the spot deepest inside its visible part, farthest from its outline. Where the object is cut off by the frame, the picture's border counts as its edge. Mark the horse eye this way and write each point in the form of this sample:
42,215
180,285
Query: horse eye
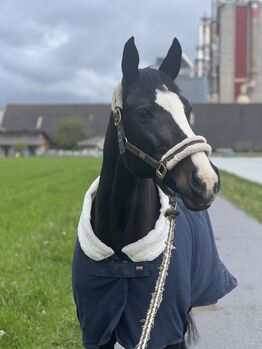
144,113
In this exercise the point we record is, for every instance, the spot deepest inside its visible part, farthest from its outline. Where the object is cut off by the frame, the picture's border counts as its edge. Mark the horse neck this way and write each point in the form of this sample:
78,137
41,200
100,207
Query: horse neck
126,207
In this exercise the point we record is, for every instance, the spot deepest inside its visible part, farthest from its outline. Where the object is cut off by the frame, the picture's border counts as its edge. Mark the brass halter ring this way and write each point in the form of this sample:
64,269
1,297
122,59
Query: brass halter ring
117,116
161,171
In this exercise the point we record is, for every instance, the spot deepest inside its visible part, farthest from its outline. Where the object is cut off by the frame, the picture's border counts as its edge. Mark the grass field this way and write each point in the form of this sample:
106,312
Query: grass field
41,200
39,210
245,194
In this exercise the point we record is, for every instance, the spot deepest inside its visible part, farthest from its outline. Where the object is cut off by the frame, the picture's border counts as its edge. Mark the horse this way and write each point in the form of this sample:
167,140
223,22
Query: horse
150,155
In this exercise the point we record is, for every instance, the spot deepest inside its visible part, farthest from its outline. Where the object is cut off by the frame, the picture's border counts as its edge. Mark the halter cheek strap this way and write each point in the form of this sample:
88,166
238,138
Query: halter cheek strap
171,158
124,144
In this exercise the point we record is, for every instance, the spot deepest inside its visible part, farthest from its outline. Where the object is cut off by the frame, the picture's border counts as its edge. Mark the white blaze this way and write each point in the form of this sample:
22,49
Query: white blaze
171,102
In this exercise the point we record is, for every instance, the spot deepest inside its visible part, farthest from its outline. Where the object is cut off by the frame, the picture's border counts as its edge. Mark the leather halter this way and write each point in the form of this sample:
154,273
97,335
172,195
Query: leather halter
170,159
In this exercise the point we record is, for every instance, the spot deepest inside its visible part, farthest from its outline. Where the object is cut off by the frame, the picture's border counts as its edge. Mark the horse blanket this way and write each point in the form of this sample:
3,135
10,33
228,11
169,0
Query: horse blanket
113,293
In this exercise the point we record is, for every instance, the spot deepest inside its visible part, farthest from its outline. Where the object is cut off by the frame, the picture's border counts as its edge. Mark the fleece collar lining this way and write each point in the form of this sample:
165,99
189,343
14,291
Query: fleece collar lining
146,249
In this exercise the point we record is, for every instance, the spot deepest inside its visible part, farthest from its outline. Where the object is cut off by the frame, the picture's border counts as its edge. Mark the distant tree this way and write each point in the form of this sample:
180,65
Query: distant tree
69,132
19,147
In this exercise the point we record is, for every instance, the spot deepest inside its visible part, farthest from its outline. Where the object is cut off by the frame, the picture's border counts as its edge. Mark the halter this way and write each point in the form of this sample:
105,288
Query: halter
171,158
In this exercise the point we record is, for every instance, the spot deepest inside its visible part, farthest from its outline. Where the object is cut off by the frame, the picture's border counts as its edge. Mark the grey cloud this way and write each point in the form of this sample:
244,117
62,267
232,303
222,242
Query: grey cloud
66,51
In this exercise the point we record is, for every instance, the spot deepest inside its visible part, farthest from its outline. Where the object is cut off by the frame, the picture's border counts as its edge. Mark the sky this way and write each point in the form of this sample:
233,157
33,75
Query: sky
69,51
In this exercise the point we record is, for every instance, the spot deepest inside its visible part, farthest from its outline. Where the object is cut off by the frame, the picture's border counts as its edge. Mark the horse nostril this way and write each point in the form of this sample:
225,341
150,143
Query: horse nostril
196,182
215,188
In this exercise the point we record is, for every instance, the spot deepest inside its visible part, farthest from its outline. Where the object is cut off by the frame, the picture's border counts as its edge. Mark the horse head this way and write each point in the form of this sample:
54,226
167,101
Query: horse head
154,134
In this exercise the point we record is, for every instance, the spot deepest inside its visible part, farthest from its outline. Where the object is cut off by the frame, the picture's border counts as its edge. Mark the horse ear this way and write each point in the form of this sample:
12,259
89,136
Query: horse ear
130,61
172,63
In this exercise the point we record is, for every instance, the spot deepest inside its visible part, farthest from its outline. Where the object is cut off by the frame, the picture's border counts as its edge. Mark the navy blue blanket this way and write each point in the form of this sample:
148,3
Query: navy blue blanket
114,295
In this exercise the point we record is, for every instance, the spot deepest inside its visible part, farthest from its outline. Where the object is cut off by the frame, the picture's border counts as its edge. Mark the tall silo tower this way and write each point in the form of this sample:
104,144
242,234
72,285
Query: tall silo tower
239,51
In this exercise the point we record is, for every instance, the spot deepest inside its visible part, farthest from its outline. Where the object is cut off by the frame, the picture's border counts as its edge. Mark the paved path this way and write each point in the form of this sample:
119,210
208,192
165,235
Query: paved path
246,167
236,321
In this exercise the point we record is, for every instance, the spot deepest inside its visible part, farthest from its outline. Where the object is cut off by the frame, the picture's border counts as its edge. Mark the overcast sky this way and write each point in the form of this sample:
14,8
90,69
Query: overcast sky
69,51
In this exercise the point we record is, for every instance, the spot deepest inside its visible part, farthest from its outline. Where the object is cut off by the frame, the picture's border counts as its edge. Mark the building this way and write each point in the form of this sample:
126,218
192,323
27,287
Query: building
94,143
194,88
30,129
229,51
225,125
18,143
203,47
92,146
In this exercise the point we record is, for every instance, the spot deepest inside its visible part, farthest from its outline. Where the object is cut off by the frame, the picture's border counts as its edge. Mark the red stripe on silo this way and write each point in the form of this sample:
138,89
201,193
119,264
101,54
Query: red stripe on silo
241,47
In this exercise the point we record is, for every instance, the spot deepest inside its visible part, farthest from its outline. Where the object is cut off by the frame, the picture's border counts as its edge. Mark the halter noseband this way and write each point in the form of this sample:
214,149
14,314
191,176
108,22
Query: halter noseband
171,158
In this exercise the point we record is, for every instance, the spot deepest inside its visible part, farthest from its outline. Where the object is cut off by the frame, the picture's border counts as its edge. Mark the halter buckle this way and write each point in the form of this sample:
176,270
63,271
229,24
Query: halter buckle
161,171
117,117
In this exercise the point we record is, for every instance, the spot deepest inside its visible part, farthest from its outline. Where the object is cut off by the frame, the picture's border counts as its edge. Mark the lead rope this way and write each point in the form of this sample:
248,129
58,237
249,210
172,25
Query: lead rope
157,296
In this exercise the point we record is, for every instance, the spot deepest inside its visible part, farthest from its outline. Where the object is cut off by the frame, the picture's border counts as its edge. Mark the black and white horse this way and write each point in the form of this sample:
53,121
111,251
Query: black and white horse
150,150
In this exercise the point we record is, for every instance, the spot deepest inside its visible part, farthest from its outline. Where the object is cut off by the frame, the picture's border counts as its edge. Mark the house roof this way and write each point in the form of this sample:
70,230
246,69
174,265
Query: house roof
91,142
46,117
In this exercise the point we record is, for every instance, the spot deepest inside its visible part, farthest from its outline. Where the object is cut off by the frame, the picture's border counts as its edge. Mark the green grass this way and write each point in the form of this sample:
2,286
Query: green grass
246,195
40,203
